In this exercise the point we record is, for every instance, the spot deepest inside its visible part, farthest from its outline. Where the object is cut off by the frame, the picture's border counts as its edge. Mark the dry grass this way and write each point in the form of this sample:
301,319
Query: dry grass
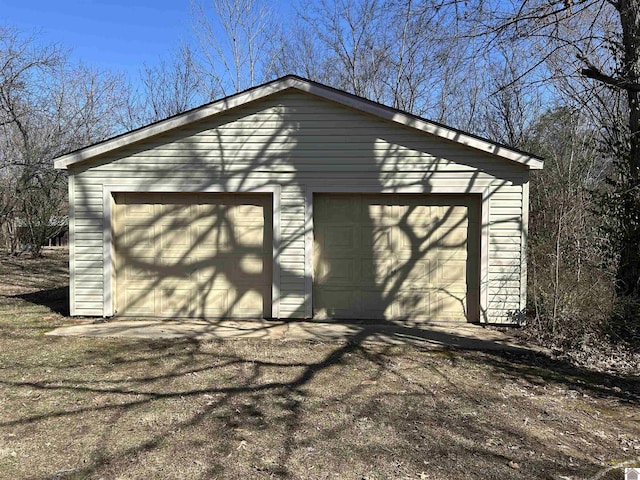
116,408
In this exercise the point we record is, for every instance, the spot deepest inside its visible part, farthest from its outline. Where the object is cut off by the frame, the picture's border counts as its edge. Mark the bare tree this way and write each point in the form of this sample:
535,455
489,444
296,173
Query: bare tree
234,39
570,292
47,107
298,51
510,105
404,53
593,47
353,35
171,87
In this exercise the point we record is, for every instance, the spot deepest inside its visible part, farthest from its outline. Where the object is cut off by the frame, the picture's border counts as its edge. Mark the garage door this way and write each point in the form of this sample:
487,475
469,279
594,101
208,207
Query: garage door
193,255
409,257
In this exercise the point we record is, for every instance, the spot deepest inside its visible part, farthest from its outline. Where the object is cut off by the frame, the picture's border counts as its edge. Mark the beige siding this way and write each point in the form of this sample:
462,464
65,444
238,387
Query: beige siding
298,141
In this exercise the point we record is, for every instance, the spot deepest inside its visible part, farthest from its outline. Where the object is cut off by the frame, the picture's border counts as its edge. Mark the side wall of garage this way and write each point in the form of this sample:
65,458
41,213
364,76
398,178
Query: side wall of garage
300,144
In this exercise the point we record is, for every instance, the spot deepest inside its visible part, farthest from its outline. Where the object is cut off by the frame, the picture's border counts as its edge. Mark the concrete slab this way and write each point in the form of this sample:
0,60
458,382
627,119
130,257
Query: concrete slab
433,335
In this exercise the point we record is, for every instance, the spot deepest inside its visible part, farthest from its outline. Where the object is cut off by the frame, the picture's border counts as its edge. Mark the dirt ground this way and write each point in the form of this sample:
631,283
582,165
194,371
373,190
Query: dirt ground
75,408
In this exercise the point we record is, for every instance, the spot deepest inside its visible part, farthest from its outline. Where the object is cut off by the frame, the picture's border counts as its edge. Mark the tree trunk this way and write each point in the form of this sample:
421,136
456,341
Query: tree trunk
628,274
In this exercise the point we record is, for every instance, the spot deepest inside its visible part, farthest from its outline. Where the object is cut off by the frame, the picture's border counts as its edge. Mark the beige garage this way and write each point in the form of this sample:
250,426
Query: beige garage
396,257
192,255
295,200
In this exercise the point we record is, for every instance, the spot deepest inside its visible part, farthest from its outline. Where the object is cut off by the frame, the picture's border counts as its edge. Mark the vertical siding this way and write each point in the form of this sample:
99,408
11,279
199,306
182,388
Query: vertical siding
295,140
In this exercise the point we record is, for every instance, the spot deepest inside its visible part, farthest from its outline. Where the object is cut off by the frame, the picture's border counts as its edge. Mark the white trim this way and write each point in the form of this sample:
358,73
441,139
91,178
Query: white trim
109,190
292,82
72,246
420,189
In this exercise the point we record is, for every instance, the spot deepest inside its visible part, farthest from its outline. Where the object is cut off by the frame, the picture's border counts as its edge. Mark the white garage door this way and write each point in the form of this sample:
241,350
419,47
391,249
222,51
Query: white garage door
409,257
193,255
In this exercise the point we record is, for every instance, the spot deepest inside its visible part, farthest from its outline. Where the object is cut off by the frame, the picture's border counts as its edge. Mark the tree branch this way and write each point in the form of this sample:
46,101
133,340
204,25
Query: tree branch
594,73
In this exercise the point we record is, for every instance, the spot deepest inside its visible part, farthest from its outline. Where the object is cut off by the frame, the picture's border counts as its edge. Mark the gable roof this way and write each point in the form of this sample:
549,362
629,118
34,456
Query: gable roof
294,82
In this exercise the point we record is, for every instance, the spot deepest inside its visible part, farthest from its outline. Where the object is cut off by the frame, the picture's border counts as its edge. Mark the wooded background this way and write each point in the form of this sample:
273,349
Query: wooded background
560,79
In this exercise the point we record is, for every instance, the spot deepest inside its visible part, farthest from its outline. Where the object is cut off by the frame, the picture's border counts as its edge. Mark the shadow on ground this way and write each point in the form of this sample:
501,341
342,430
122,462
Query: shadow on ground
248,408
261,407
55,299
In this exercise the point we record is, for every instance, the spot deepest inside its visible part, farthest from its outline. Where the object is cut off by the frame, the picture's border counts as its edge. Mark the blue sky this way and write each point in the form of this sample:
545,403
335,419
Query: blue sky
110,34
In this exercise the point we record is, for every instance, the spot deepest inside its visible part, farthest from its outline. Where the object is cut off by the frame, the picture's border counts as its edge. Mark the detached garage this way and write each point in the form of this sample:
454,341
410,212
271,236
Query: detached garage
296,200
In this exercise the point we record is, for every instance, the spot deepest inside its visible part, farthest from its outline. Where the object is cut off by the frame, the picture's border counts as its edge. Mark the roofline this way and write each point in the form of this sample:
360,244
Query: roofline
292,81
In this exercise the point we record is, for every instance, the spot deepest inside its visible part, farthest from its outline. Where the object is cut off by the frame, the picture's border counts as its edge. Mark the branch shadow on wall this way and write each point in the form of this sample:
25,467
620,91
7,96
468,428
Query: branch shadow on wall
238,156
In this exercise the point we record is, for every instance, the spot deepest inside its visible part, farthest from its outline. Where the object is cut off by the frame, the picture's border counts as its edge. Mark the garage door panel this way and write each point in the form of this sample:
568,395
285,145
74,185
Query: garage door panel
247,303
246,213
353,304
414,216
209,273
174,211
205,262
408,260
451,272
337,303
446,254
414,243
376,211
213,302
251,236
339,237
417,273
213,238
347,272
212,215
450,305
340,271
175,238
252,265
412,305
136,237
452,235
246,271
338,209
379,239
175,269
235,270
451,212
176,301
142,268
374,270
374,304
139,301
139,211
